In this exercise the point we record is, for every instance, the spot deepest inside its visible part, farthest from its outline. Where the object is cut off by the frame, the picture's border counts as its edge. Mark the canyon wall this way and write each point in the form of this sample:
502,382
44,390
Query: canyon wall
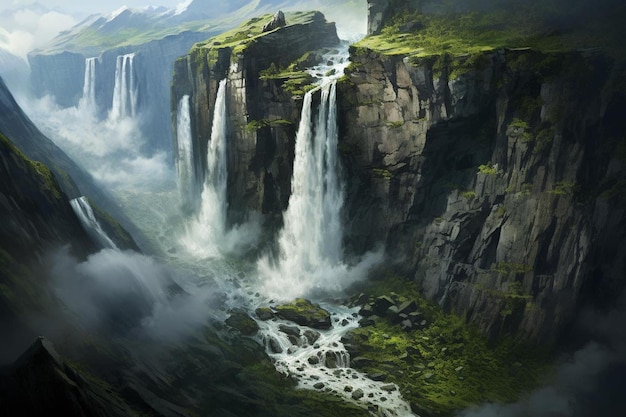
262,116
497,180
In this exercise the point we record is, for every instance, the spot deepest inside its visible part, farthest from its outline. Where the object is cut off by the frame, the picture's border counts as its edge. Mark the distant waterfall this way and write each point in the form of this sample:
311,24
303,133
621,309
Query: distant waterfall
204,235
88,220
185,166
125,89
88,100
310,242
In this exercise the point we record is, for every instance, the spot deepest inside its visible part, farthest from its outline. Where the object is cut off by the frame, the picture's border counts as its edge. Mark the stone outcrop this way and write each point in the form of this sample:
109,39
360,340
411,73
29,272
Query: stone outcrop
260,152
41,383
278,21
379,12
495,180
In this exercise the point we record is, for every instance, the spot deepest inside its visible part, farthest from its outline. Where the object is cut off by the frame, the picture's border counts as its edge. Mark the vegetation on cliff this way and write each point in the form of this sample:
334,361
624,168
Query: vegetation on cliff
524,26
441,363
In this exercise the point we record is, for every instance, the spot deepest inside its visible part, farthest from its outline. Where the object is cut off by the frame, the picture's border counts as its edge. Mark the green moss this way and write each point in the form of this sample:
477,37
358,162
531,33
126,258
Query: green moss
447,365
511,268
501,27
37,168
487,169
395,124
468,194
255,125
564,188
382,173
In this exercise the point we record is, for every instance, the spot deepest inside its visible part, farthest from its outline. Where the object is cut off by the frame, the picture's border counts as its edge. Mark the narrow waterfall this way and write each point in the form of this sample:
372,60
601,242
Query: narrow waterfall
125,89
310,242
208,229
88,220
88,100
185,166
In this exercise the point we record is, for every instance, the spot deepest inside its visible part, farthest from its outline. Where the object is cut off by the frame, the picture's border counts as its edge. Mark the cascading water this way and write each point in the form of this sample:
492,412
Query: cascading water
88,100
125,89
310,254
310,262
208,229
185,167
88,220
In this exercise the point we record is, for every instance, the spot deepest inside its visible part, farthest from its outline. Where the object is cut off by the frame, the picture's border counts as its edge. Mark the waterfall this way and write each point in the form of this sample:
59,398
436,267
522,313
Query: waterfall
125,89
88,100
310,242
208,229
185,166
88,220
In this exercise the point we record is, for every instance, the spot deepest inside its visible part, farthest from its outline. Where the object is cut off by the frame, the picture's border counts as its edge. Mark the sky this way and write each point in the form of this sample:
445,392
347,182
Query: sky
27,24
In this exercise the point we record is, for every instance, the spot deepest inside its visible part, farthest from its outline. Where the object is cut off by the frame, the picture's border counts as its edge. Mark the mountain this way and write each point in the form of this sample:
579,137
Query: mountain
72,179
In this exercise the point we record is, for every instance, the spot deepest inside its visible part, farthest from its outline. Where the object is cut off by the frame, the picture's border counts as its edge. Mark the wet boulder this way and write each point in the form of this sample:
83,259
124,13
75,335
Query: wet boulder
305,313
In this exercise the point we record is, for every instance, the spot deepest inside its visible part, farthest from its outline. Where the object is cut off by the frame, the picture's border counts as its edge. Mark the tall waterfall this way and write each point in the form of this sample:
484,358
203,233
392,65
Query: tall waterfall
88,100
310,242
88,220
185,166
205,233
125,89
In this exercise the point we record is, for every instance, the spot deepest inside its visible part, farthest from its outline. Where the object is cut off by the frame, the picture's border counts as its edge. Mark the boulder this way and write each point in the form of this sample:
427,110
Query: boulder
358,394
278,21
305,313
241,321
381,304
311,335
264,313
290,330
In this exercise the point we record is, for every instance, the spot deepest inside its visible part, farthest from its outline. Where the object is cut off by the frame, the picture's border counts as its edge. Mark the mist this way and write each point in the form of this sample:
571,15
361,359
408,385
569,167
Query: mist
109,149
588,382
127,293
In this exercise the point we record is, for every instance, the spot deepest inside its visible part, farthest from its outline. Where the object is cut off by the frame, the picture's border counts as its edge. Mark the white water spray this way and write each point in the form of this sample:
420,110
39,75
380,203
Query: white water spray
88,220
208,230
185,166
125,89
88,100
310,242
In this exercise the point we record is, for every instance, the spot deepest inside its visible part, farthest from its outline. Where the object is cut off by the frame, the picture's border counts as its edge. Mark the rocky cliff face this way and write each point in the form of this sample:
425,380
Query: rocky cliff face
499,179
262,115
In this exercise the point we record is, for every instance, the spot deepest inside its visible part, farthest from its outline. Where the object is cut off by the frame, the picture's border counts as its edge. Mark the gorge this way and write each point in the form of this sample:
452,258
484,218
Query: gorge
408,225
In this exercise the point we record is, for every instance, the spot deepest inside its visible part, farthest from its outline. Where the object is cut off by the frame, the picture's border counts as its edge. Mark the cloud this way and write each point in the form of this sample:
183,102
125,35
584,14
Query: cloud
109,149
128,292
23,30
588,383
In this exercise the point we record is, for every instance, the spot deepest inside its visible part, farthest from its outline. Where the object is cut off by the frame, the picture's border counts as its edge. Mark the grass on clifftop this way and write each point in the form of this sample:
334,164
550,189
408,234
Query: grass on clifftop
447,365
239,37
472,32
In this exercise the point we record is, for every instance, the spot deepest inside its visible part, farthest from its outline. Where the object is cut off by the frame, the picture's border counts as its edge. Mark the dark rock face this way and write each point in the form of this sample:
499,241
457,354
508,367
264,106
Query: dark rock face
497,183
41,383
278,21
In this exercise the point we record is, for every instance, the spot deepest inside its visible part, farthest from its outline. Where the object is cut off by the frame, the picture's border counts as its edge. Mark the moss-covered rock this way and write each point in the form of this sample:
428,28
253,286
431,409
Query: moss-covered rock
444,365
305,313
241,321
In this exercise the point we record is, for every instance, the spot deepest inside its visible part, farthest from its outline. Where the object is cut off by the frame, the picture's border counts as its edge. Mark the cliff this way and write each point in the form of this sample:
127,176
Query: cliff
40,382
495,176
72,179
262,114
